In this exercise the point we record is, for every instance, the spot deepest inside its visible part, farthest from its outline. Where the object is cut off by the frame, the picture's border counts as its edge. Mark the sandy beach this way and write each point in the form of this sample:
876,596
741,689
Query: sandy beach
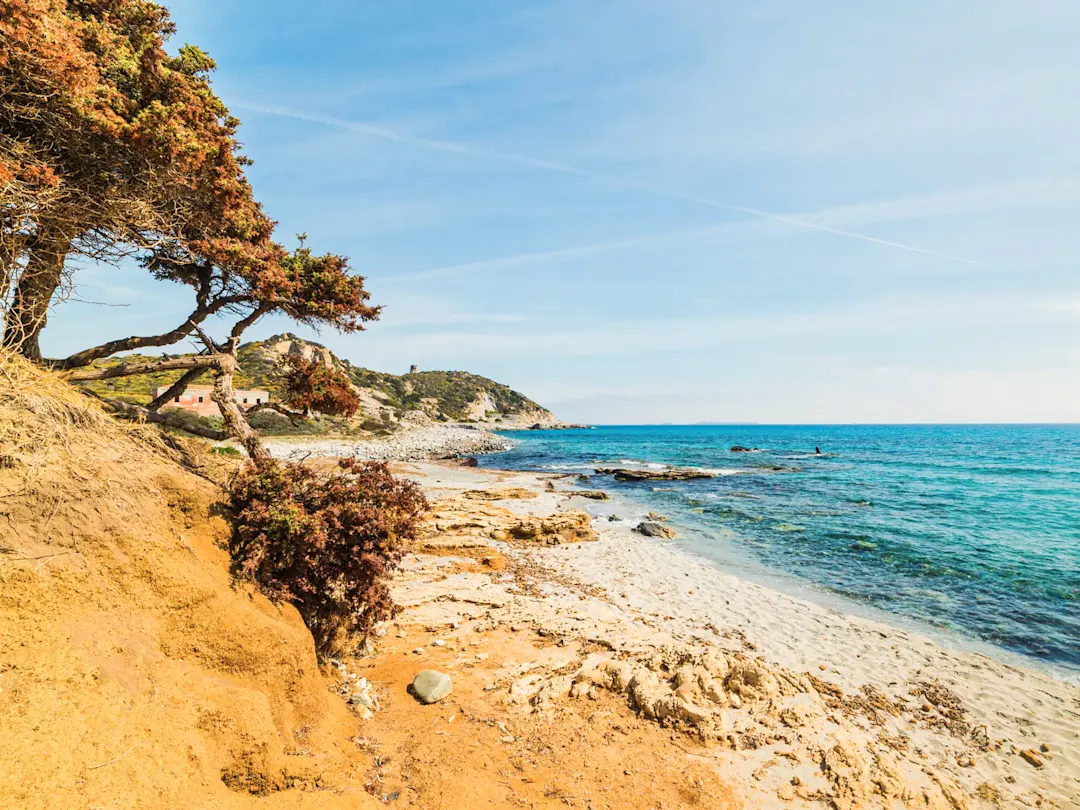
791,703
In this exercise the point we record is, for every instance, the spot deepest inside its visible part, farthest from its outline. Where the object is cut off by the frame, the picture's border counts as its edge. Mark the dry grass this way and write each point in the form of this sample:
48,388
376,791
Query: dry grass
40,412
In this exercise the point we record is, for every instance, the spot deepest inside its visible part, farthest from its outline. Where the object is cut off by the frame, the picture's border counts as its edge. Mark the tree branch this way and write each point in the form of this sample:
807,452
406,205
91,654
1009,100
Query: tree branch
140,414
177,388
128,369
293,416
244,323
88,356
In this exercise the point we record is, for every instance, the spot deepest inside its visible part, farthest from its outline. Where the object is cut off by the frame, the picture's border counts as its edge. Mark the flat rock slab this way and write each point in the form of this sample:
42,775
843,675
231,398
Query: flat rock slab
431,686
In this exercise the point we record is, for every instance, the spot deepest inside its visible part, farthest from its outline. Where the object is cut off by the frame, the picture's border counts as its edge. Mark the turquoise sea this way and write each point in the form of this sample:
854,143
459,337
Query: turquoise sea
973,530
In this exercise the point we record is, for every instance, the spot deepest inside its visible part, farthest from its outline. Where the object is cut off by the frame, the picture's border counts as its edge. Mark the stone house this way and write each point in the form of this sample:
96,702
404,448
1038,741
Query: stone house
197,399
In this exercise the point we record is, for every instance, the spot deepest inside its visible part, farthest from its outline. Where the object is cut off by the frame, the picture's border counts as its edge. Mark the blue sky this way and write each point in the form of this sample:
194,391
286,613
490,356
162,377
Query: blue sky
653,211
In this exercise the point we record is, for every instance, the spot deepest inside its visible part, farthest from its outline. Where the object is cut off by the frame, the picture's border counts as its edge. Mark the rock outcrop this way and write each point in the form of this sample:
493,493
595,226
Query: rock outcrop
670,474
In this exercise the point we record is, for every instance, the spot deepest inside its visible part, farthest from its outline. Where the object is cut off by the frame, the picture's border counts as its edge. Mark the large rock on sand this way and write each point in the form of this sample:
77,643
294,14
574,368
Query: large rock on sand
651,528
431,686
565,527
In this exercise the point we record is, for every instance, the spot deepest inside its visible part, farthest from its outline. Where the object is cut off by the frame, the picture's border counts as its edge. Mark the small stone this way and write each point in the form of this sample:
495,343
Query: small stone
431,686
362,699
1044,748
401,634
1032,758
822,667
736,701
796,781
438,643
419,651
926,707
364,713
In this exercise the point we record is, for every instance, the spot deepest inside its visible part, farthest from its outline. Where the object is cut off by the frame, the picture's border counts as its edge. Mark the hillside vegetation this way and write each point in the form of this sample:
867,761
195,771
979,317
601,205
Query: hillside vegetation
441,395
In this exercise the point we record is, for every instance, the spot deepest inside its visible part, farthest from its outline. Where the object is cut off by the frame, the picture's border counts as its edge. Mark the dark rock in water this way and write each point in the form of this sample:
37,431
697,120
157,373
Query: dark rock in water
738,448
431,686
651,529
654,475
613,518
537,426
470,462
592,494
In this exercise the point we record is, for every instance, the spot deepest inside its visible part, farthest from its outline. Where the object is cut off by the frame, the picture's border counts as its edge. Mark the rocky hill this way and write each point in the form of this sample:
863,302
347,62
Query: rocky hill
420,396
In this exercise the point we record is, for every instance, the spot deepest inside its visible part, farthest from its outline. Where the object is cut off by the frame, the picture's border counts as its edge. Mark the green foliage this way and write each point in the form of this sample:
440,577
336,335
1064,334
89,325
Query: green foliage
325,542
225,450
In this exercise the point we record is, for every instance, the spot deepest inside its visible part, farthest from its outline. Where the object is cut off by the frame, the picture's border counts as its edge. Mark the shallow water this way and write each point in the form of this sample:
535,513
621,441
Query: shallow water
974,530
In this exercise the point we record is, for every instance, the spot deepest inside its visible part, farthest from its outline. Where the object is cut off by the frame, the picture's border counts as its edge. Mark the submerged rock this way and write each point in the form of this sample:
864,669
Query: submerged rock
652,529
674,474
431,686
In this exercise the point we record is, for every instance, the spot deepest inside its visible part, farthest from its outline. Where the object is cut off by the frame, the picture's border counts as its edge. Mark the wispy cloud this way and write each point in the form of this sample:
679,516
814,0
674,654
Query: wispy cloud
450,147
983,199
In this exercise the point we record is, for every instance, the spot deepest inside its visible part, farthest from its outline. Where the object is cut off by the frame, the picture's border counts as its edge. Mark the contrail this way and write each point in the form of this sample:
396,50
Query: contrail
564,168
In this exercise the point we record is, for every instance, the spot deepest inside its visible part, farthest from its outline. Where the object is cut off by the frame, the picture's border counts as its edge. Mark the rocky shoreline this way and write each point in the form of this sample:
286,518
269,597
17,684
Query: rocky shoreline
413,443
791,704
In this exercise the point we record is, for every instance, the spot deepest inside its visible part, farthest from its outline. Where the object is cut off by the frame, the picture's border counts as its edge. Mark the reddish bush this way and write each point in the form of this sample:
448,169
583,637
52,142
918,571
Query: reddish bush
326,542
311,385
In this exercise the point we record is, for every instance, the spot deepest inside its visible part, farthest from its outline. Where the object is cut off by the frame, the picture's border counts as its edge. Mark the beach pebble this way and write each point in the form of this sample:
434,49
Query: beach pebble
362,699
419,651
401,634
431,686
438,643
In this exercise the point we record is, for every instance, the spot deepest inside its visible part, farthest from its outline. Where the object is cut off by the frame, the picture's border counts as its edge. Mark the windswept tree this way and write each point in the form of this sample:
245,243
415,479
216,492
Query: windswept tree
126,147
110,147
317,290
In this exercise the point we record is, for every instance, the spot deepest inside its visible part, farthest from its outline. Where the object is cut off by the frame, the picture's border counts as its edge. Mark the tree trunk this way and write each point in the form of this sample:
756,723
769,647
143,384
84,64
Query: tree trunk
38,283
235,423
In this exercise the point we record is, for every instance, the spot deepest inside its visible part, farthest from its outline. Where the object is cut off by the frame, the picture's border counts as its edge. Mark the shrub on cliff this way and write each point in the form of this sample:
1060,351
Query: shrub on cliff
310,385
325,542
